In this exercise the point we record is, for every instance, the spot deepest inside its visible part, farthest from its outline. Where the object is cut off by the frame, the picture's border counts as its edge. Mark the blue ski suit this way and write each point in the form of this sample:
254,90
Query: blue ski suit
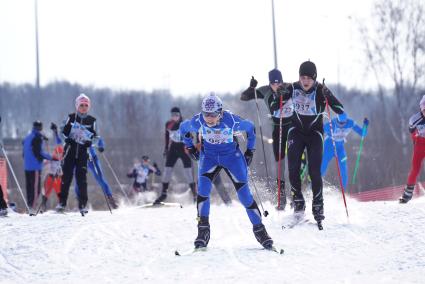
94,166
341,127
220,150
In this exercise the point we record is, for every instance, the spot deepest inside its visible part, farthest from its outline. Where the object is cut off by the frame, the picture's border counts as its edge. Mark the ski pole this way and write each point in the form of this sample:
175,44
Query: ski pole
335,153
14,176
279,163
353,181
115,176
265,212
98,176
261,133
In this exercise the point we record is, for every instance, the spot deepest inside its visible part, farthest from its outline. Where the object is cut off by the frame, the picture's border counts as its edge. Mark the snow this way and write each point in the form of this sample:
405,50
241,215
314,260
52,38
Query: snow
383,242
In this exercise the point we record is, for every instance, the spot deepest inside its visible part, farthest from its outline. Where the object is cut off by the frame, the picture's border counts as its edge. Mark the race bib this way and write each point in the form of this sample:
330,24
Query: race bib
175,135
341,133
287,110
142,174
79,133
304,104
421,130
217,135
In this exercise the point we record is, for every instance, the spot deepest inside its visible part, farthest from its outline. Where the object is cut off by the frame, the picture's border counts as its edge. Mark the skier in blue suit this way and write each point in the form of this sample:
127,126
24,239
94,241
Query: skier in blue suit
341,126
95,168
220,150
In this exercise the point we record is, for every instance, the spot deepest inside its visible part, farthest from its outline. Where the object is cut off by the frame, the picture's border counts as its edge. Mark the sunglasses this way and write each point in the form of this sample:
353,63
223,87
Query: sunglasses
210,114
83,105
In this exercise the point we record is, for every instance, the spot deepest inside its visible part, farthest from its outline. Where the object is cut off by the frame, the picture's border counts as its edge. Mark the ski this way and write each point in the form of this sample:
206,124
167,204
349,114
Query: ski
189,252
319,225
161,204
297,220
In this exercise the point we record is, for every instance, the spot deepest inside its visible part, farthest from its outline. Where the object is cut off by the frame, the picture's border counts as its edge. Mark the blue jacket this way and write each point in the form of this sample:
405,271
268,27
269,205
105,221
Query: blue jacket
218,139
341,130
33,151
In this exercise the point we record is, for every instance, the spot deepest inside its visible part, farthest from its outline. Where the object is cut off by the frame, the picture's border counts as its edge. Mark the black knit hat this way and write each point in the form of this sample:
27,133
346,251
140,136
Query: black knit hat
308,68
37,125
175,109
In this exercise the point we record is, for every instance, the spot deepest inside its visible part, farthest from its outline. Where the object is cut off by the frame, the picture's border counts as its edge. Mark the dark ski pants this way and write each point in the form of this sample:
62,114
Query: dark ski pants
80,166
33,186
313,142
3,204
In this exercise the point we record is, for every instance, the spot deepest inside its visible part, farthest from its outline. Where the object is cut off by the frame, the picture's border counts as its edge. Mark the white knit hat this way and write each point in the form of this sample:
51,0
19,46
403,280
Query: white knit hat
82,99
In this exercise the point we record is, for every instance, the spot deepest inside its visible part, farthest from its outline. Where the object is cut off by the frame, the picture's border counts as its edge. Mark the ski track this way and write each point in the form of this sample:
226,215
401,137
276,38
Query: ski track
383,242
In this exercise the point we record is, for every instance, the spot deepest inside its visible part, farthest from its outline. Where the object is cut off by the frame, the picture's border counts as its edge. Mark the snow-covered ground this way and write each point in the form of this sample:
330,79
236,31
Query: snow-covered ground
383,242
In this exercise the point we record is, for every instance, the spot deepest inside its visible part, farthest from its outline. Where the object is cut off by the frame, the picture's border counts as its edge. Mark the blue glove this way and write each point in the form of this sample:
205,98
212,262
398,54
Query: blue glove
366,121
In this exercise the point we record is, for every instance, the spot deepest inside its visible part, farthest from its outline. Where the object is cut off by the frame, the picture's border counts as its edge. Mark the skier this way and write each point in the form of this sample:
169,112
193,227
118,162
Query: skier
417,132
341,126
79,130
33,162
309,99
53,178
220,151
93,164
140,172
174,149
3,204
269,94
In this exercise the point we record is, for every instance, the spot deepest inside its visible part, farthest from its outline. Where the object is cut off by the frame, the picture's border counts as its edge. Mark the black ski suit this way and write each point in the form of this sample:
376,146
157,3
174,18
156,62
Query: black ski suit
307,132
76,155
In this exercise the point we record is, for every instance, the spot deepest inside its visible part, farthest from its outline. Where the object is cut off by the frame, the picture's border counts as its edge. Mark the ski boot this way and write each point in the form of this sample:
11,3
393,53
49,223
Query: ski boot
112,202
299,207
3,212
161,198
203,237
262,237
318,214
407,194
60,208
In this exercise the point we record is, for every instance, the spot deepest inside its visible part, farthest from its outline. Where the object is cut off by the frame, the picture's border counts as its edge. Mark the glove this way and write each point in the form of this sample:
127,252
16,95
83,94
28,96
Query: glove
366,121
249,154
101,149
326,92
165,153
193,153
53,127
69,140
282,90
253,84
87,144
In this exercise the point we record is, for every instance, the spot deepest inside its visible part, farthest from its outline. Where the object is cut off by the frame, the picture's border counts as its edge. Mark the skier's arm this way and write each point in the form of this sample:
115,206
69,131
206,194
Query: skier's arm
249,94
249,128
359,130
186,127
333,102
132,174
37,149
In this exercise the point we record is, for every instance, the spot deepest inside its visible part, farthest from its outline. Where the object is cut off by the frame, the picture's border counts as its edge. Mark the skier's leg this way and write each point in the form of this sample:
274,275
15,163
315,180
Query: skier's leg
328,154
81,176
68,173
314,155
208,170
296,147
30,187
3,204
417,158
342,160
168,171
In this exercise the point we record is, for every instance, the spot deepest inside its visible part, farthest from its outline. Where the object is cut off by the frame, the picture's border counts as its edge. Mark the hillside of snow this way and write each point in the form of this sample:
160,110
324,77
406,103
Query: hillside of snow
383,242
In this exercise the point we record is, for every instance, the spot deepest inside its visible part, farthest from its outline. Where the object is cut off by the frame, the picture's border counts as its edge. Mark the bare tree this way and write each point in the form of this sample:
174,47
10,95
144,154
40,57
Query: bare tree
395,49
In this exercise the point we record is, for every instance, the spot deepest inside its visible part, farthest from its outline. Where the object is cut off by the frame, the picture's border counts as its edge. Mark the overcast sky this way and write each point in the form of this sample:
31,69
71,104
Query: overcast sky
187,46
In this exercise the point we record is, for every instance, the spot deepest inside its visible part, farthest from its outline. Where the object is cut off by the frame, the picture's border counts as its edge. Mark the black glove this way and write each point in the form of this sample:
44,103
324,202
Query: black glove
253,84
282,90
249,154
326,92
165,153
87,144
53,127
101,149
69,141
193,152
